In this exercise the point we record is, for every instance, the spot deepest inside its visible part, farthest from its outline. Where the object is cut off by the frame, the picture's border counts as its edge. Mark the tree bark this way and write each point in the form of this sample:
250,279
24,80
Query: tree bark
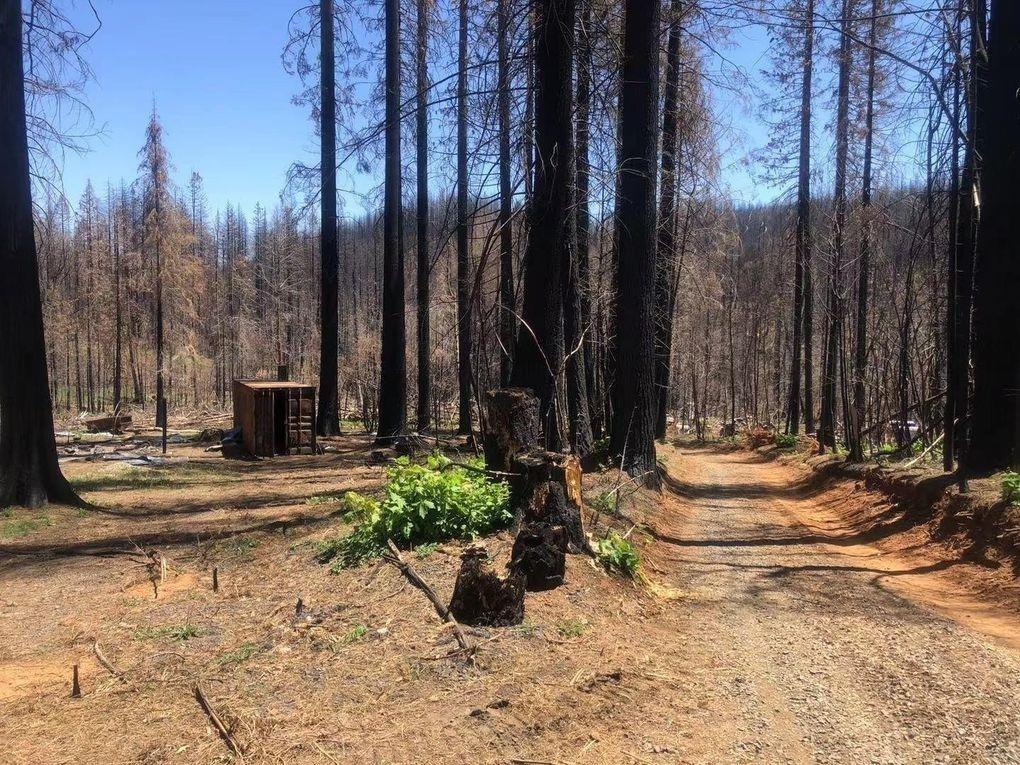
328,417
802,329
29,473
864,267
424,255
507,321
995,427
633,427
393,368
666,243
463,256
540,344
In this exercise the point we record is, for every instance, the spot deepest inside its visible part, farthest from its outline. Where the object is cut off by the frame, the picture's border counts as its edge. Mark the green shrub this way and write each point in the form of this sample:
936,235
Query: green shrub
617,554
786,440
1011,487
422,504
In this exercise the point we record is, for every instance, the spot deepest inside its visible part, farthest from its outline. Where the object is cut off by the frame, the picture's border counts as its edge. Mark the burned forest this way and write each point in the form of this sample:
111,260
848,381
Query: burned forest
510,381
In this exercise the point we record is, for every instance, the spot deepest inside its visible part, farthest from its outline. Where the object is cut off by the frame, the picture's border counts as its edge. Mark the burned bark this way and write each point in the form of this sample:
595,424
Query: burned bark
481,597
545,488
29,473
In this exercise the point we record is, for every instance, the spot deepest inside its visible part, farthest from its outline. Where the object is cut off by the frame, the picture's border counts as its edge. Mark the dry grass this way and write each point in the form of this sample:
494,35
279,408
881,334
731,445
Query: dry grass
366,673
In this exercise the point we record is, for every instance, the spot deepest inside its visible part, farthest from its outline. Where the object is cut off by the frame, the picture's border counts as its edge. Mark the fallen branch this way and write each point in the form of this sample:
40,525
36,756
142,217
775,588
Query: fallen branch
107,665
394,557
924,454
217,723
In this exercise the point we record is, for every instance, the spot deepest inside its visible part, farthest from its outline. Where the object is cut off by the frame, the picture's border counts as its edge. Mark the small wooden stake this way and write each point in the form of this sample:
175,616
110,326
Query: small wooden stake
75,688
215,579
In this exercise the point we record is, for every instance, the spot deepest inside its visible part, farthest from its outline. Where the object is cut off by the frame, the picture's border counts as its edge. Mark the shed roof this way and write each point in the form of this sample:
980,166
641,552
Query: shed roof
273,384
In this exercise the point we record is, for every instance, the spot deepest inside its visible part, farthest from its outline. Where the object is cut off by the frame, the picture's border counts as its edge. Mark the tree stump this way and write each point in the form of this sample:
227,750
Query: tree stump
545,488
481,597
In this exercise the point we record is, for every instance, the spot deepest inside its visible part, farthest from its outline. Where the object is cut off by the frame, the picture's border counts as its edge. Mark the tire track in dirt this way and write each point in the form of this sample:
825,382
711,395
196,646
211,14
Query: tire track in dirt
808,647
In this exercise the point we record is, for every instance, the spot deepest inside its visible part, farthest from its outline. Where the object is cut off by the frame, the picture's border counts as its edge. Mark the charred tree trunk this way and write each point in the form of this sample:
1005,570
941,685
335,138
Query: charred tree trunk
483,598
582,192
545,488
29,473
328,420
802,328
633,429
834,321
995,426
856,422
666,243
424,255
507,322
578,412
540,345
968,214
393,370
463,256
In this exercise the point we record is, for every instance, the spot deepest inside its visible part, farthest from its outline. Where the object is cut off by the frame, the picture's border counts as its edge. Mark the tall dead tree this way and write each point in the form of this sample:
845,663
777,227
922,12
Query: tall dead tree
582,192
955,416
834,318
803,329
328,418
393,368
856,423
463,260
539,349
29,473
634,402
995,416
422,209
666,242
155,167
506,200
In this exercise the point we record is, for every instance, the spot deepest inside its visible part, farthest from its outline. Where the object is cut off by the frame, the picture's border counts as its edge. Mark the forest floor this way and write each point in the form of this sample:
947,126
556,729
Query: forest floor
776,623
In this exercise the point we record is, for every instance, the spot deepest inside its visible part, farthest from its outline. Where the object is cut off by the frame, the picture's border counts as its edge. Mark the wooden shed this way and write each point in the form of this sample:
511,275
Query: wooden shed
275,417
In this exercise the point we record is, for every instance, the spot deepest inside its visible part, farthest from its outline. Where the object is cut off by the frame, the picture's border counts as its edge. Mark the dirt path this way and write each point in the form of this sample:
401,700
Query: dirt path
806,646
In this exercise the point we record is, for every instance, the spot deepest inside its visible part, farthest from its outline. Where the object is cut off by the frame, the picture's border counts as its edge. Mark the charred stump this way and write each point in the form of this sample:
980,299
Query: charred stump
481,597
545,489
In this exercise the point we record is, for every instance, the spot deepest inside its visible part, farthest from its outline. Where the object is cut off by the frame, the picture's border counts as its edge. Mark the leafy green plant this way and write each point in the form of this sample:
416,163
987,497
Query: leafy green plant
175,632
353,635
1011,487
786,440
617,554
422,504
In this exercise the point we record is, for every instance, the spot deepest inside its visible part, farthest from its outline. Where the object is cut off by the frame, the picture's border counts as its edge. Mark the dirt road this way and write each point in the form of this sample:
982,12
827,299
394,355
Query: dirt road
806,646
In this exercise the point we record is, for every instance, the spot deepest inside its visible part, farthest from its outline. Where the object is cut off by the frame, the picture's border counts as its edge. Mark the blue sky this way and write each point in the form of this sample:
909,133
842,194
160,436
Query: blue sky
213,69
